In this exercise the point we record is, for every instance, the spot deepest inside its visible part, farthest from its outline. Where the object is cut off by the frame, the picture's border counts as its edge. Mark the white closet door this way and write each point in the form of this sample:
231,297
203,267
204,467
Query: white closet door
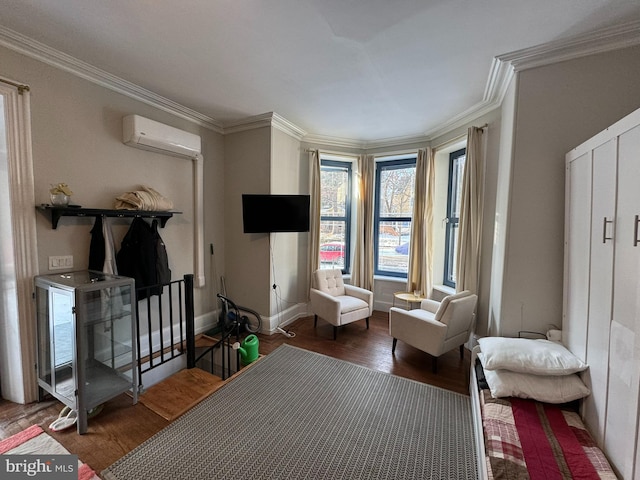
601,285
624,366
577,238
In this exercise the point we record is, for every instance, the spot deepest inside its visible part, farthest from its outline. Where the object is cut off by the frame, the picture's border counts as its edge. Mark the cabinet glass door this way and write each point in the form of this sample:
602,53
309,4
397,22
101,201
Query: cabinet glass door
61,304
105,329
44,336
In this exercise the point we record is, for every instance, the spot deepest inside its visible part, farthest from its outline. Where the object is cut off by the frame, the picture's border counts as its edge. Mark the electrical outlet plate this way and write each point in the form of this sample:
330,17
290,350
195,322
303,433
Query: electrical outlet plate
61,262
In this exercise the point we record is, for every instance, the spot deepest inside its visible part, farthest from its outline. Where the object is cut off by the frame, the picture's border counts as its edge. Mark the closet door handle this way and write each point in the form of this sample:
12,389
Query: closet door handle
635,231
604,230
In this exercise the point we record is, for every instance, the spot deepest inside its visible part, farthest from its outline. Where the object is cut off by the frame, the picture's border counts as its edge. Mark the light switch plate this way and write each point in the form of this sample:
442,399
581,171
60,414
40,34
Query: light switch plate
61,262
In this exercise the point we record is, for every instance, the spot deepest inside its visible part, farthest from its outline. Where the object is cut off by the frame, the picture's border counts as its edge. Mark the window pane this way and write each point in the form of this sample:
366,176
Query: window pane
335,215
456,185
454,200
332,244
452,238
396,191
395,186
393,246
334,191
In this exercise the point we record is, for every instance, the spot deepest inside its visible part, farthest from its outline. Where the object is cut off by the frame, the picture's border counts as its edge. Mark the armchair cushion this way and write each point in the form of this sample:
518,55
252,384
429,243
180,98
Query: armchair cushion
444,304
361,293
430,305
329,281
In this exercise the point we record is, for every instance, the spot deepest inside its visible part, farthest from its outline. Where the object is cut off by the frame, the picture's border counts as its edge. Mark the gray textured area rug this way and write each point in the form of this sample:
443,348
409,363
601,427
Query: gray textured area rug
301,415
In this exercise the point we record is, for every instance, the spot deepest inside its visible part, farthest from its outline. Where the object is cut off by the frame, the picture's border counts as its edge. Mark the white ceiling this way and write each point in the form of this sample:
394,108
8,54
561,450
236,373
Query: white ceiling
352,69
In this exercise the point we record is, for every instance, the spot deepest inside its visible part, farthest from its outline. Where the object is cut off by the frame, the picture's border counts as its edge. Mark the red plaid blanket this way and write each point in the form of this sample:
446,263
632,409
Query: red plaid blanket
525,439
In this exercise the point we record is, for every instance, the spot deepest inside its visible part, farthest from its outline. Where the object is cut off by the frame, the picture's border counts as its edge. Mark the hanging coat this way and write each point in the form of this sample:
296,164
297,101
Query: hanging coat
101,248
109,249
143,257
102,259
96,247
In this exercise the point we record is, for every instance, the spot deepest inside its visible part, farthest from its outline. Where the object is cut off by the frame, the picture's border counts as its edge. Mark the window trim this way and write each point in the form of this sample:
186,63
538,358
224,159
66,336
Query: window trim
329,164
383,164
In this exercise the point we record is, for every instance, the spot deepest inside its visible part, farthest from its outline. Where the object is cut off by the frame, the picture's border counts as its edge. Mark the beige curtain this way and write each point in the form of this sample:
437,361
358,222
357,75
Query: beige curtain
314,223
470,226
362,274
420,276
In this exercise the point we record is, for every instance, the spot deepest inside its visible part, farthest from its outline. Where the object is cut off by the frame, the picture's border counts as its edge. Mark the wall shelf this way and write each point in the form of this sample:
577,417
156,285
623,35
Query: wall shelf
56,212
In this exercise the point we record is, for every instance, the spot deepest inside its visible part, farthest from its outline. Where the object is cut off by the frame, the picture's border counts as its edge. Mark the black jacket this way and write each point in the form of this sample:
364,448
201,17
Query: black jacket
143,257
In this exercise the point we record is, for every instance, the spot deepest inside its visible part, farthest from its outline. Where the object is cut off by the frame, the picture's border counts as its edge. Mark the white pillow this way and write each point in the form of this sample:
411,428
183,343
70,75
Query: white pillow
543,388
525,355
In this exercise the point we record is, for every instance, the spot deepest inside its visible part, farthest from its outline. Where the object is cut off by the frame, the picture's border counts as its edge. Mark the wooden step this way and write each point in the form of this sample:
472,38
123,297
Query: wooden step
180,392
203,340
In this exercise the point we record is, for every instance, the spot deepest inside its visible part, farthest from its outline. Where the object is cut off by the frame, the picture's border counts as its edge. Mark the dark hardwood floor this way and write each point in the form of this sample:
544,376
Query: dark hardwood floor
372,348
121,426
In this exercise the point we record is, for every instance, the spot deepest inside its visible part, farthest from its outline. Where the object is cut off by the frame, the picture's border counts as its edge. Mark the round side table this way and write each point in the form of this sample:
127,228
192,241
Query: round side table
407,297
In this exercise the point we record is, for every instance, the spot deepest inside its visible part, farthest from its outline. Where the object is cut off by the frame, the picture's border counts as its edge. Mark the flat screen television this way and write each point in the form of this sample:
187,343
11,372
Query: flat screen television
275,213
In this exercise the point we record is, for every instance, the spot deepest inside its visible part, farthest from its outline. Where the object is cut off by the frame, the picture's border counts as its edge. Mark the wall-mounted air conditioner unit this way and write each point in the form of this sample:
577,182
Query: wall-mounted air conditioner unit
148,134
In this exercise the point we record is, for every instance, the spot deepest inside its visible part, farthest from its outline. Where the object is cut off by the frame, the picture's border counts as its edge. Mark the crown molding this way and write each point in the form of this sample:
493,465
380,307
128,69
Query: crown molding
269,119
500,75
338,142
463,119
287,127
330,141
396,141
599,41
248,123
503,69
41,52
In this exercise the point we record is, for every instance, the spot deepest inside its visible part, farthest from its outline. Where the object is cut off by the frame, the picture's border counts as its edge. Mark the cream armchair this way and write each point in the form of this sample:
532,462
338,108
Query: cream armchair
435,327
338,303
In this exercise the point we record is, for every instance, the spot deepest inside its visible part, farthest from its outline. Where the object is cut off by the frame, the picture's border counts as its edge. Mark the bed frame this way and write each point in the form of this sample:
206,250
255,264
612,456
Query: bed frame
478,433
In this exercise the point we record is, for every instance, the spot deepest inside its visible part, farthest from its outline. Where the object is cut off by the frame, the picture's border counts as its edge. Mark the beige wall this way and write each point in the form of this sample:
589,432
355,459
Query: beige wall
557,107
290,270
265,160
77,139
247,259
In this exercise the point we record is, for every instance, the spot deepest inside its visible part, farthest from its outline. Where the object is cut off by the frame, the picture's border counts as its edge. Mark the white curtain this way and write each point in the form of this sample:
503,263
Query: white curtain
420,275
17,325
314,224
470,226
362,274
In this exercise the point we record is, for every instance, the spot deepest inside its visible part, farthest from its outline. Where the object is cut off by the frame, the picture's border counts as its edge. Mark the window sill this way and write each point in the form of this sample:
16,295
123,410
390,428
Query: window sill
402,281
446,290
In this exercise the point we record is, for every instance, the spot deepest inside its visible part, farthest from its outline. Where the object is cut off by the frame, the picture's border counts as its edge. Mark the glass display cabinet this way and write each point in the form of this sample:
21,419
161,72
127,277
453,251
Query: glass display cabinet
86,339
